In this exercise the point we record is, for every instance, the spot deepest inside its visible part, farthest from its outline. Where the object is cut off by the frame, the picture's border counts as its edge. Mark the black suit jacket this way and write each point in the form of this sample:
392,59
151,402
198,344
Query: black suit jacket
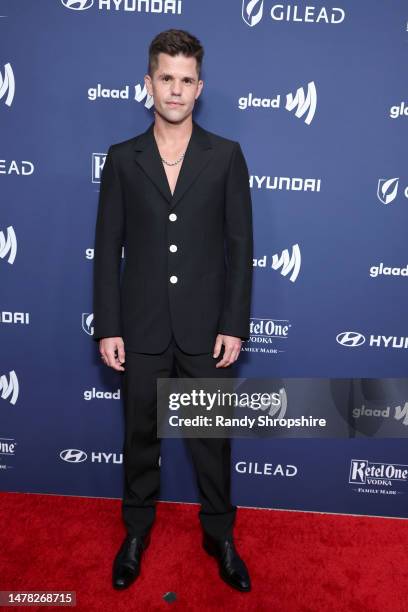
188,257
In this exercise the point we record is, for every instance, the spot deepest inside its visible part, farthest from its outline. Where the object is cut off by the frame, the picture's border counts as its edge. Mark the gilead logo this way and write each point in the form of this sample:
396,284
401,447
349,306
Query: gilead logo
87,323
252,12
266,469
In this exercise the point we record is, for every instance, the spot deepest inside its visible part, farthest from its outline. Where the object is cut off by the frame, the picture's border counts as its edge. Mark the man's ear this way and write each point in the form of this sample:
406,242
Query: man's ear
148,83
200,88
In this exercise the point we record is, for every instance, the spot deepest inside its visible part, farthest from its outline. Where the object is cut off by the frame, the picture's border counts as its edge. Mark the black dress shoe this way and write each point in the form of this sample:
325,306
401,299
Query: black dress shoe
126,566
232,568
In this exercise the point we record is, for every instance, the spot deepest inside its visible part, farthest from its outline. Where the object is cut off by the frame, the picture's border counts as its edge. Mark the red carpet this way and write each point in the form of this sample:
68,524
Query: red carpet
299,562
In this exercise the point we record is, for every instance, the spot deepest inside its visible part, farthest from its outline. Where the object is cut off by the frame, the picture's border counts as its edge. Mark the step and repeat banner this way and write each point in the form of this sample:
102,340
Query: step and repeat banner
317,97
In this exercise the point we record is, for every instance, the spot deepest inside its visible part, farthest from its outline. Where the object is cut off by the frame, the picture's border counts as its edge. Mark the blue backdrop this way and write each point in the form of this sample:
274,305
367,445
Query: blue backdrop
316,96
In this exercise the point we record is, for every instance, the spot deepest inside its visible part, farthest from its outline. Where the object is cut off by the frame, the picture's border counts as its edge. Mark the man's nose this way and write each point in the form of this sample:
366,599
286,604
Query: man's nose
176,87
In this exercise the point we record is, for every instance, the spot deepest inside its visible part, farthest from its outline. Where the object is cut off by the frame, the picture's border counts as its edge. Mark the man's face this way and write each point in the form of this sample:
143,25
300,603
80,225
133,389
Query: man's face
174,86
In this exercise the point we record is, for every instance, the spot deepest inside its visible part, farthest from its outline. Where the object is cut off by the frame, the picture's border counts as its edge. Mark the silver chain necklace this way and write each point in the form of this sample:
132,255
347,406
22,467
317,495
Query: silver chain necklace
173,163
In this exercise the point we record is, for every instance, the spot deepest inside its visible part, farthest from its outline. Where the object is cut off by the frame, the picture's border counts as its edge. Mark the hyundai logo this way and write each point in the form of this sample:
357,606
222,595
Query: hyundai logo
77,5
350,338
73,455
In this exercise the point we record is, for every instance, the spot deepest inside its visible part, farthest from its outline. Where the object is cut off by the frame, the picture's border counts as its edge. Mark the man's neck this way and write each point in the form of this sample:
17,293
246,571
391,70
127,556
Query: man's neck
171,135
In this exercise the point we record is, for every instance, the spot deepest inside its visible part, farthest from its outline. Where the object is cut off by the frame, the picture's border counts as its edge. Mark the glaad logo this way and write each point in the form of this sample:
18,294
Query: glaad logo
388,271
353,339
94,394
301,102
7,85
350,338
9,387
121,94
78,5
252,11
400,412
399,111
371,473
8,246
387,190
73,455
87,320
98,161
288,263
284,260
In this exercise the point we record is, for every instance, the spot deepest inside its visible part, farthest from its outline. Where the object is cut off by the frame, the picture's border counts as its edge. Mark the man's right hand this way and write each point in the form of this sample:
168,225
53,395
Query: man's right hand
112,352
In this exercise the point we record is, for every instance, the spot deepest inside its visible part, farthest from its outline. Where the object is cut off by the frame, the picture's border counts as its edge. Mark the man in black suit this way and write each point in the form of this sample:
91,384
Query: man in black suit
177,196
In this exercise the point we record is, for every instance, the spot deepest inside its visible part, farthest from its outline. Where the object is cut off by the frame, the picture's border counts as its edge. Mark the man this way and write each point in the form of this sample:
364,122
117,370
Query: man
178,198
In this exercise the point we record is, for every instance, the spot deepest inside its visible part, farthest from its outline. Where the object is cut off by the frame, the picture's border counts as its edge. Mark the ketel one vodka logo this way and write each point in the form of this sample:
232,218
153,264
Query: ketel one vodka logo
8,245
9,387
7,446
262,330
87,323
7,85
371,473
98,161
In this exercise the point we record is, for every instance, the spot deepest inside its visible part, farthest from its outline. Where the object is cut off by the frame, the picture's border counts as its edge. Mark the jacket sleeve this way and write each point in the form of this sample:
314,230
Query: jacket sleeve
109,233
235,317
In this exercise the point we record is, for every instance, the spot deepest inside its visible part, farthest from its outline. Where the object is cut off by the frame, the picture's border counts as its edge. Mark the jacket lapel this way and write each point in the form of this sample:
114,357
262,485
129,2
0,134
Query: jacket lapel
197,155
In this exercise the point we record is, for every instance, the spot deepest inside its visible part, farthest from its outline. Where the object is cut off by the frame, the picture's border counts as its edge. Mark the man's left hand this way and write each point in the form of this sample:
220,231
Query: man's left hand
231,352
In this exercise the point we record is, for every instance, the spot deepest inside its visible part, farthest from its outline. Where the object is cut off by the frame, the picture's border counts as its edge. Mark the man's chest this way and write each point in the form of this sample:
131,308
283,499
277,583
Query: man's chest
172,173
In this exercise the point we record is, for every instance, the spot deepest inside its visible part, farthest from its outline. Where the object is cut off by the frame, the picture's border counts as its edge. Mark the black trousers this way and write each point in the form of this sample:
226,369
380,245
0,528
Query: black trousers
141,450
